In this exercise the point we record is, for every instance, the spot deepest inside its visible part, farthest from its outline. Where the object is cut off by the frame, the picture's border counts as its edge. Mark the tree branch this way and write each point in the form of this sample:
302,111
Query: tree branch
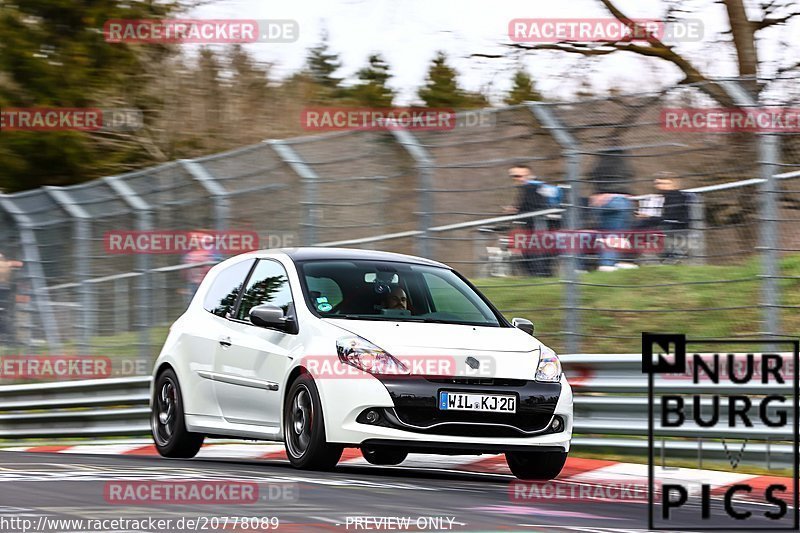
768,21
655,49
783,70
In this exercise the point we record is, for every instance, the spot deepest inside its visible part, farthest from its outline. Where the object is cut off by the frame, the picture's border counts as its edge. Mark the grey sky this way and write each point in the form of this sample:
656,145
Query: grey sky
408,33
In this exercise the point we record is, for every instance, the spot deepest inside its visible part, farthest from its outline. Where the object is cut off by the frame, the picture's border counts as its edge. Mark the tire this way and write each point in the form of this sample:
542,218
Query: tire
167,421
383,455
304,428
536,465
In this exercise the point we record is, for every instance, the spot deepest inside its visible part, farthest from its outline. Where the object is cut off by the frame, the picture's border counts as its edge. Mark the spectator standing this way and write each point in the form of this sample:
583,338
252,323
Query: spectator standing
535,195
667,211
611,202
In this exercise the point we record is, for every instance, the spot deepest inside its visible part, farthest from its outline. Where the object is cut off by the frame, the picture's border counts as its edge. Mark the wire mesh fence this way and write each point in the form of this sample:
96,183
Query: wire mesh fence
442,194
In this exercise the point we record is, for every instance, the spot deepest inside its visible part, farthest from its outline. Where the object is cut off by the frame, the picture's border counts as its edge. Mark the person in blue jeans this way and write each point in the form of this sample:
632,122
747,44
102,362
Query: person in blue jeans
613,208
616,214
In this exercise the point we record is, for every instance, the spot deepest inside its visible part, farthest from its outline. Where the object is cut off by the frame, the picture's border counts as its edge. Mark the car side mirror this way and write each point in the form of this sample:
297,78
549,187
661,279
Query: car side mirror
523,324
271,316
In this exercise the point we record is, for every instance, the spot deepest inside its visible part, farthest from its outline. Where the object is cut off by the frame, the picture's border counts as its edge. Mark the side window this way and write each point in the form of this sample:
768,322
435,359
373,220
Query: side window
268,284
448,299
221,297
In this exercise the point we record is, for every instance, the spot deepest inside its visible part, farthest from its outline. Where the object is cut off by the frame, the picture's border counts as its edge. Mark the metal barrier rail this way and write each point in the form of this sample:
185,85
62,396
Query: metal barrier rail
610,412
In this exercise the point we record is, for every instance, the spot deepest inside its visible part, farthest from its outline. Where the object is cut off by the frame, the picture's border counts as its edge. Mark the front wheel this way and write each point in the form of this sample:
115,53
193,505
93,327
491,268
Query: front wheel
304,428
166,420
536,465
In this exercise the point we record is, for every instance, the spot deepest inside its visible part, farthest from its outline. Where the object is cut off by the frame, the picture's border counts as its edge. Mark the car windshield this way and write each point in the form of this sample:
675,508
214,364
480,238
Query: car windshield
387,290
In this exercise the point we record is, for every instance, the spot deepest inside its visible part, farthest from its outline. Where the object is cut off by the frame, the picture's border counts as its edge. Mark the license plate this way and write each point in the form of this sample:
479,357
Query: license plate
459,401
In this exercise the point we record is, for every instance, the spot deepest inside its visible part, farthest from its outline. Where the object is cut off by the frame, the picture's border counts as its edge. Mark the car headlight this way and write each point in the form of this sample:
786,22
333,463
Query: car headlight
549,369
364,355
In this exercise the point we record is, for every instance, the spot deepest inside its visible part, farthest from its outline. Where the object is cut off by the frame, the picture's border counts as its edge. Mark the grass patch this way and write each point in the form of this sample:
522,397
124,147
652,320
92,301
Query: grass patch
700,301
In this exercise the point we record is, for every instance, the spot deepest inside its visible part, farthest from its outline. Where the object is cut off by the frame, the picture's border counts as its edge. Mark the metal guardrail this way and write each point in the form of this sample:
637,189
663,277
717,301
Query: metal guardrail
610,413
90,408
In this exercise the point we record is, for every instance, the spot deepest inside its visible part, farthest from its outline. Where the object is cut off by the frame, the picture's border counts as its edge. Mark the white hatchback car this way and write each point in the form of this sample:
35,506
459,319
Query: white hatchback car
325,348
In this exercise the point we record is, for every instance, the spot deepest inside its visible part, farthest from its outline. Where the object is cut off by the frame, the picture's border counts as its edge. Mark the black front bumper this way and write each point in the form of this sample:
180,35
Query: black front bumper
452,448
416,407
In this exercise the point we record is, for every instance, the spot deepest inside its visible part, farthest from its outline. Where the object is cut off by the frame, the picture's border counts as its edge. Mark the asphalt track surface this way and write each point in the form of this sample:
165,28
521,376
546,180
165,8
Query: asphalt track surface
59,486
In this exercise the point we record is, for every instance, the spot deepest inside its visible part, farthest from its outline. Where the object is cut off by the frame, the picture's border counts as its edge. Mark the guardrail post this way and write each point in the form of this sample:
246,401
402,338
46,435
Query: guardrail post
425,167
143,290
769,159
309,178
571,151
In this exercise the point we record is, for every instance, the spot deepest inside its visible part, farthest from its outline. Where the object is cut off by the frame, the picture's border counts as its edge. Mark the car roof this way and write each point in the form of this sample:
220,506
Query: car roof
313,253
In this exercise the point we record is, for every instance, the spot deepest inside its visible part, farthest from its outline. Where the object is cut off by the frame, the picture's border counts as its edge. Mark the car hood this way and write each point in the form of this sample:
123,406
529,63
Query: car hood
451,349
416,337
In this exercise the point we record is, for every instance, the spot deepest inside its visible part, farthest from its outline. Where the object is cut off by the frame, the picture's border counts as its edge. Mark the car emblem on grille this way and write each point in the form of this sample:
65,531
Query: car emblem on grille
473,363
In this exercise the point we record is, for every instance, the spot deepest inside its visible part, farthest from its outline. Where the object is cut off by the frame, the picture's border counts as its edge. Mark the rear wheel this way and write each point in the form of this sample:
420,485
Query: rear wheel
167,420
378,455
536,465
304,428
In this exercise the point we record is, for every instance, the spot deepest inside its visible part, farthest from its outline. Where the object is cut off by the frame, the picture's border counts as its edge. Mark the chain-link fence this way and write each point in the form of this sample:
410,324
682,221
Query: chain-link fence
440,194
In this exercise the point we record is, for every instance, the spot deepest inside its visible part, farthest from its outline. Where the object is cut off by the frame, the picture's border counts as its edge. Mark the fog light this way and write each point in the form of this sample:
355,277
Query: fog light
556,425
372,417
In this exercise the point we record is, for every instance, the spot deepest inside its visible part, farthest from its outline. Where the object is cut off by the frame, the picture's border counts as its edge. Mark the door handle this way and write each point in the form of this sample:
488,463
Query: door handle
225,341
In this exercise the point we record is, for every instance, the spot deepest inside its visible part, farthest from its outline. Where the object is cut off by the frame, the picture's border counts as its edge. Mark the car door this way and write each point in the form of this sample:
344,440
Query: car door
201,335
251,361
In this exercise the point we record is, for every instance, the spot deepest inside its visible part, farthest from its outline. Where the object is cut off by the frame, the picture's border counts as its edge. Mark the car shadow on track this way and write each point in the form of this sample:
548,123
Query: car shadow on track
395,472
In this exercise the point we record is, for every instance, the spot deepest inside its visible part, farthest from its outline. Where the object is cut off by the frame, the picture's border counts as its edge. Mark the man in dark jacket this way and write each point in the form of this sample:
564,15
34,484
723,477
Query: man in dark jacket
667,211
534,195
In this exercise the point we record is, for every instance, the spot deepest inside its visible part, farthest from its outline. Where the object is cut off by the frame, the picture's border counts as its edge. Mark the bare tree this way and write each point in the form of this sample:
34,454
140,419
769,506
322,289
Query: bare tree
743,32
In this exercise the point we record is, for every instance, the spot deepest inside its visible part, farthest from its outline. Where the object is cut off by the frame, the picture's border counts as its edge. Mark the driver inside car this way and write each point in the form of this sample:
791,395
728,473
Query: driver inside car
395,299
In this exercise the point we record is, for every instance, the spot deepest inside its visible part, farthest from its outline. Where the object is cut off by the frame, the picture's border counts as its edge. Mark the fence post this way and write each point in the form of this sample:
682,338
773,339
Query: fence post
310,178
768,148
425,167
570,149
83,253
697,249
769,160
212,187
40,294
142,292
